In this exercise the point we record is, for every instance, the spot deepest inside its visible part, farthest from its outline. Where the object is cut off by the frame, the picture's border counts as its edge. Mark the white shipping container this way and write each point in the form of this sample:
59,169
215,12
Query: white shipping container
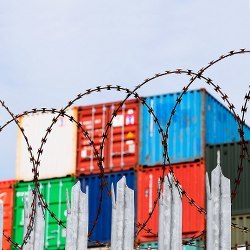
59,152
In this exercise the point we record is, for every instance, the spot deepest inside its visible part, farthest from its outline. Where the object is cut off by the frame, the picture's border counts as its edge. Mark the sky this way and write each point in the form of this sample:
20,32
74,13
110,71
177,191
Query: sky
50,51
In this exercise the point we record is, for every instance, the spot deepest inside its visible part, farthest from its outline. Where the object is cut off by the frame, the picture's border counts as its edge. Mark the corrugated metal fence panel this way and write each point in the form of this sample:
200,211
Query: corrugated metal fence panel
229,157
191,177
239,237
54,191
120,150
7,196
102,231
185,129
59,152
221,126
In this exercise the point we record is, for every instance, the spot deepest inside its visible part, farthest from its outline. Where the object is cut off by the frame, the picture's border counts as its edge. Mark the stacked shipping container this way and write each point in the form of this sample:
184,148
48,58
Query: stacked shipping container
7,197
54,191
121,145
199,120
102,231
132,148
58,157
191,177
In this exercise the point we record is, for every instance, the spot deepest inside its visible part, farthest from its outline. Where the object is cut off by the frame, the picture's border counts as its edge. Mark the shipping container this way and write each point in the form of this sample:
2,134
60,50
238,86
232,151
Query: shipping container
229,160
7,197
102,230
54,191
192,179
149,245
99,248
120,150
199,119
239,237
58,158
197,245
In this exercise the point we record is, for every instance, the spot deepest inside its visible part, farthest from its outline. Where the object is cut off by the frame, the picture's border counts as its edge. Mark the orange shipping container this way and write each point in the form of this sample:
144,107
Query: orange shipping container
7,196
192,179
120,150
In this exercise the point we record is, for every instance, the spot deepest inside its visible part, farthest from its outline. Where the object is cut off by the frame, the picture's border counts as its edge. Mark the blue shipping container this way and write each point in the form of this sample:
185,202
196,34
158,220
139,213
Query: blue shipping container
199,120
102,230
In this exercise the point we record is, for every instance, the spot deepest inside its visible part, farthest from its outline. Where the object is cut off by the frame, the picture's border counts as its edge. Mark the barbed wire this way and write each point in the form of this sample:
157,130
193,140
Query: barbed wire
62,112
42,111
34,111
237,246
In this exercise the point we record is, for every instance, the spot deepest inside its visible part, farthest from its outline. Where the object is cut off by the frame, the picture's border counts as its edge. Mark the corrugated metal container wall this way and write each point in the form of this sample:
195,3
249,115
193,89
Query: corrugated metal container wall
102,230
93,119
154,246
123,139
239,237
199,118
192,178
7,197
120,148
54,191
229,158
221,126
185,128
59,152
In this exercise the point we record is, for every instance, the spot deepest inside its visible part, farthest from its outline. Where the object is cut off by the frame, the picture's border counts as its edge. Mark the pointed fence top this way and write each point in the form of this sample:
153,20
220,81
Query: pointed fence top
218,157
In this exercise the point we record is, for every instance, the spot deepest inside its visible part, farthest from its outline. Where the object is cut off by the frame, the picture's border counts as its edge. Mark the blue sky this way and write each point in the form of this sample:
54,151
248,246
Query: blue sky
52,50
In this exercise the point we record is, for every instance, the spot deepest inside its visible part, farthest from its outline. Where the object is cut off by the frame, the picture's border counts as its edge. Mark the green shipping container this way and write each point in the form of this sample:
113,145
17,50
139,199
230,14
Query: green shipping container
54,191
229,161
240,238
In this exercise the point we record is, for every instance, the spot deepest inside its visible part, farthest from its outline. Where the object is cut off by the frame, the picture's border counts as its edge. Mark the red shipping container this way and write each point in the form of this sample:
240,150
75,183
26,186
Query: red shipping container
7,196
120,150
93,119
192,179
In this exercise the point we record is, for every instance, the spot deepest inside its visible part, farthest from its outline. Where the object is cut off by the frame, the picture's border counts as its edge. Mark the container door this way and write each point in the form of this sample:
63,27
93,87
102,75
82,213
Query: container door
94,121
55,235
123,136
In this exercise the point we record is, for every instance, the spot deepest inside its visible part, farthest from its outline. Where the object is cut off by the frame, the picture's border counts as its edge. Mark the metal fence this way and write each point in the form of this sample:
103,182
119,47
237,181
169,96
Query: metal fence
218,231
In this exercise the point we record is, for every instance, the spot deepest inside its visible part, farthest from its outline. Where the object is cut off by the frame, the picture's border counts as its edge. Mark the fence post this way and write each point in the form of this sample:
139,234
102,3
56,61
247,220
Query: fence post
39,226
27,211
122,228
1,223
170,216
77,219
36,239
218,210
